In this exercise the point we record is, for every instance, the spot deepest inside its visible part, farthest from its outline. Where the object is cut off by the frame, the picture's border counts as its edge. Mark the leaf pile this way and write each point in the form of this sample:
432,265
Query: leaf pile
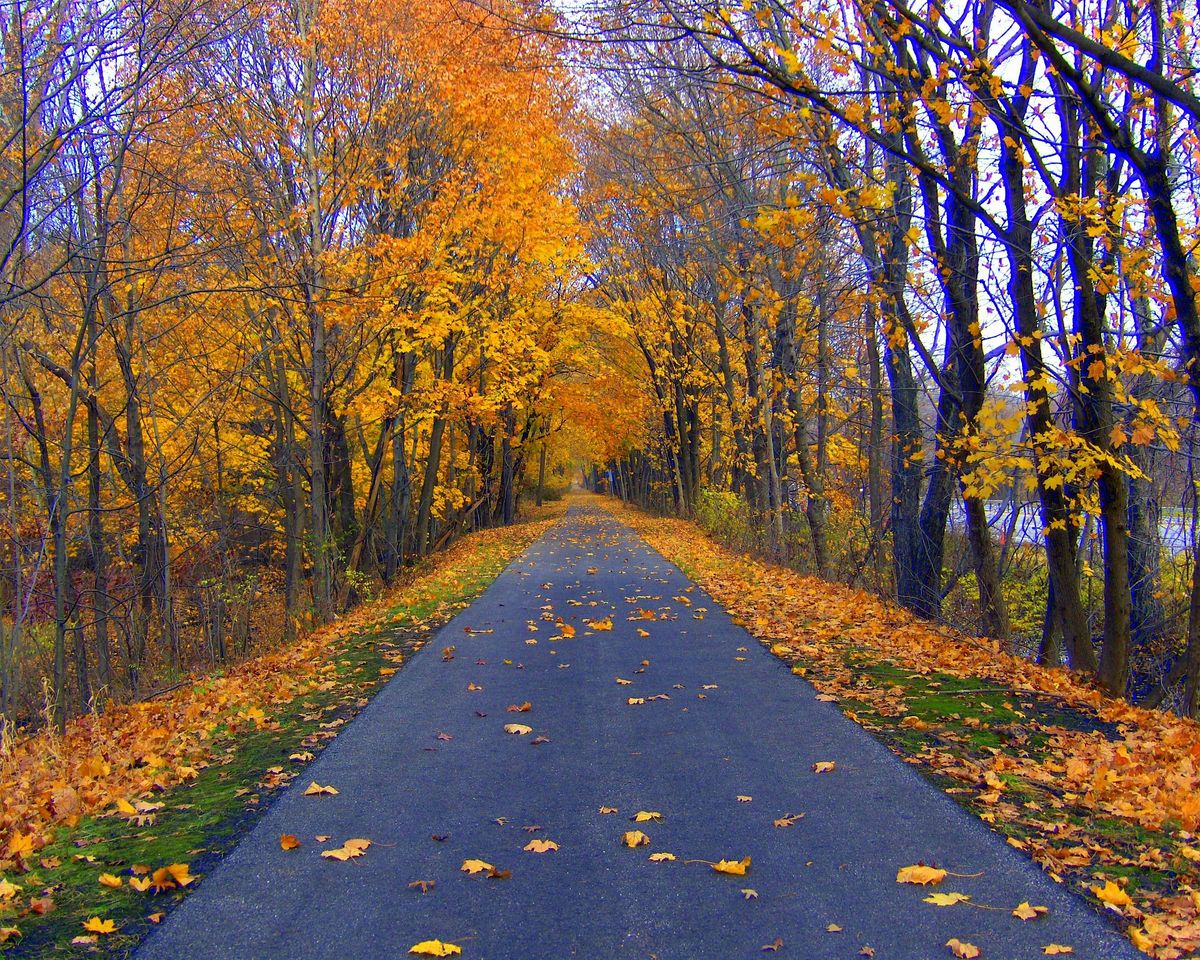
1098,792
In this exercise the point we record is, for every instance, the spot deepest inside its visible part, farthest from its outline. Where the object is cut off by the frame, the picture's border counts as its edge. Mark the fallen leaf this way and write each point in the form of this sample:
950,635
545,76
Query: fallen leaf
749,893
155,917
833,928
608,809
646,816
605,624
867,952
476,866
423,885
826,698
623,682
350,850
288,841
434,948
947,899
540,846
518,728
314,789
473,688
1026,912
742,798
635,701
7,933
519,707
1112,896
41,905
635,838
497,874
824,766
788,819
964,951
918,873
1058,949
108,880
141,884
642,633
736,868
96,925
661,857
774,946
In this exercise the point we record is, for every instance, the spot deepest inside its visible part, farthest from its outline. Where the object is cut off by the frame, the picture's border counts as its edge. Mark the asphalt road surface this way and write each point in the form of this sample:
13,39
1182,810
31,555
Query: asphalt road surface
429,775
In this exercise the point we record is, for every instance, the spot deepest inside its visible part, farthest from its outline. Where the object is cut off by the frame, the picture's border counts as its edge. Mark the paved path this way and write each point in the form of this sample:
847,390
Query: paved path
736,724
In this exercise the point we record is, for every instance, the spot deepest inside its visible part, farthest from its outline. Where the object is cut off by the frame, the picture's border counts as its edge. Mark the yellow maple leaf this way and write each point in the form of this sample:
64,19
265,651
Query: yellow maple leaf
962,950
1024,911
634,838
605,624
96,925
608,809
926,876
642,633
476,866
349,850
179,872
1140,939
540,846
661,857
736,868
108,880
288,841
140,884
434,948
567,630
1112,895
824,766
946,899
645,816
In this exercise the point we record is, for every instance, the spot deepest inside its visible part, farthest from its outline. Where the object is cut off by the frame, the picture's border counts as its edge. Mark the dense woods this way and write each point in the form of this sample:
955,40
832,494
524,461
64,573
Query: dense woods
915,292
283,285
294,291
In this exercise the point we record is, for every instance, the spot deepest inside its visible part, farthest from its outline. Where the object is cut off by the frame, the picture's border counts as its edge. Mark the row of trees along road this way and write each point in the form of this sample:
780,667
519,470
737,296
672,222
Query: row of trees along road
891,267
283,288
